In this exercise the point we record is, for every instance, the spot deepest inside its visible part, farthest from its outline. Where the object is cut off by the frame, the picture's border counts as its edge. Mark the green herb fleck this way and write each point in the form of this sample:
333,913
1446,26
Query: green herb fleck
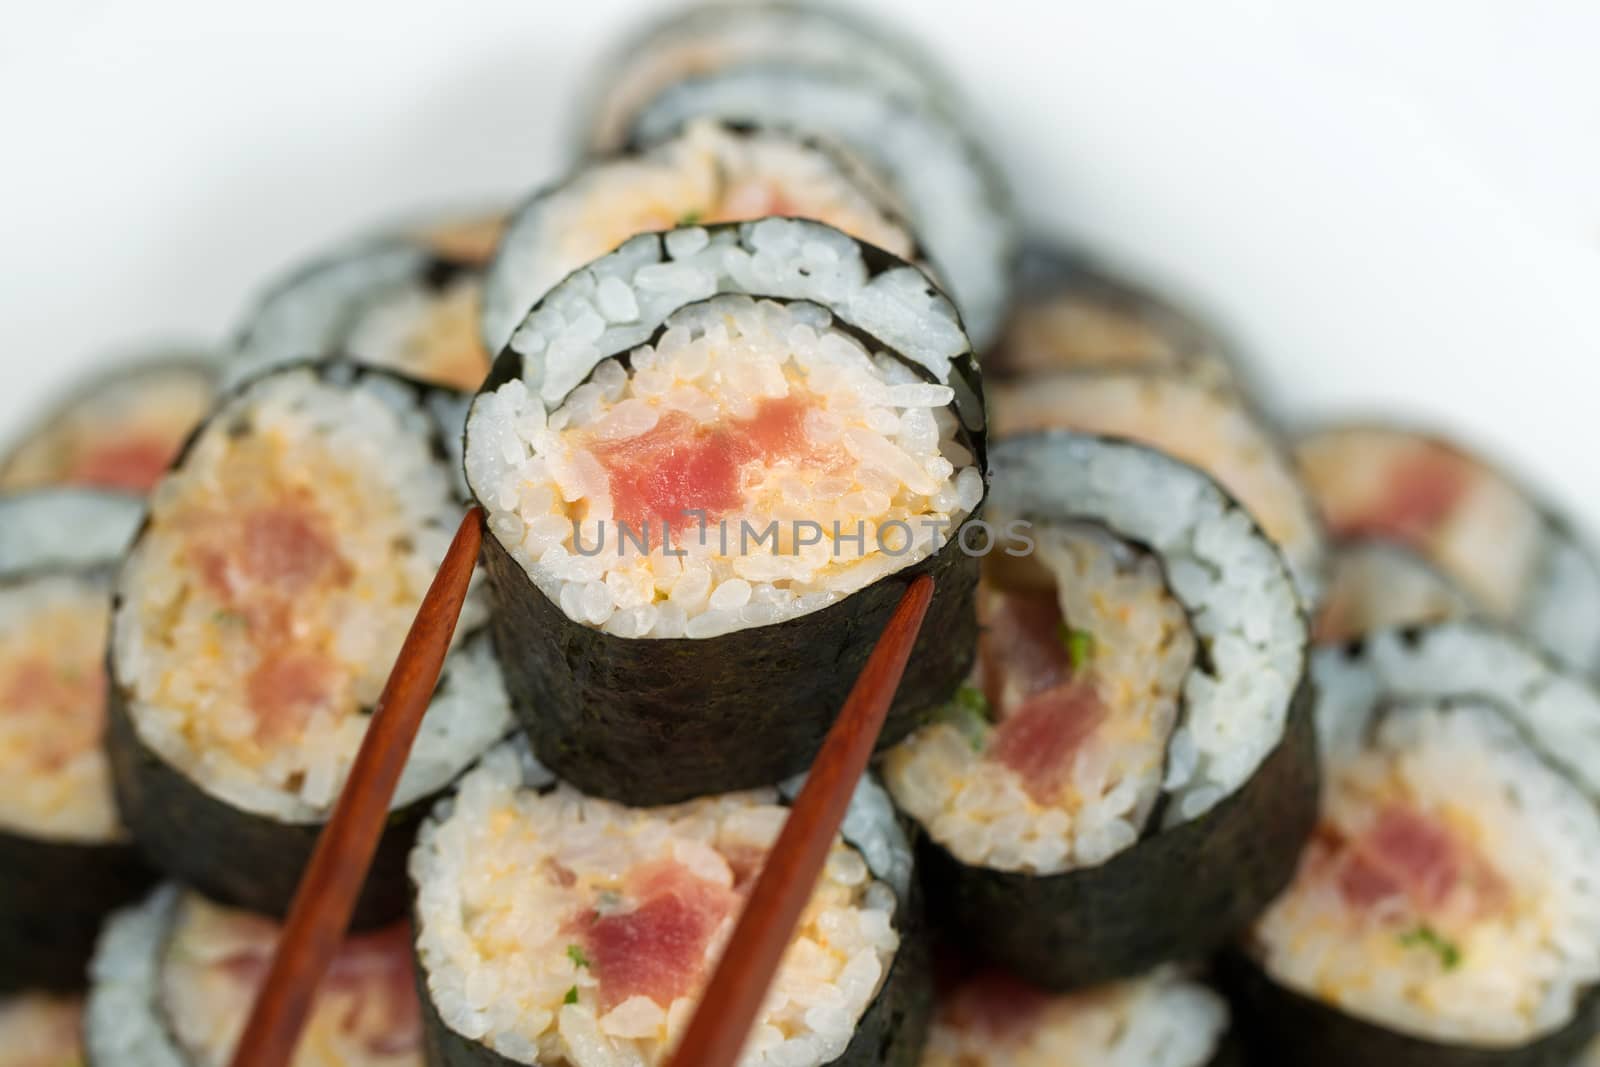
228,618
575,954
969,713
1078,643
1426,937
571,997
691,218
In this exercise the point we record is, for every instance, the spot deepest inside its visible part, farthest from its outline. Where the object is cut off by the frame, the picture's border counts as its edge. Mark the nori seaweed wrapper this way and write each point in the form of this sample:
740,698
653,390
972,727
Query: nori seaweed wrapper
1180,893
241,858
53,896
1279,1025
649,721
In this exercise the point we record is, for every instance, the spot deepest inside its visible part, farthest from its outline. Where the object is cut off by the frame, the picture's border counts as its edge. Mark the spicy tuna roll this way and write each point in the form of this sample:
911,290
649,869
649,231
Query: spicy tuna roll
951,193
409,302
65,856
1212,430
1446,912
712,461
561,930
708,173
1072,313
119,428
1131,772
1374,584
174,979
1163,1019
40,1030
259,614
707,37
1493,537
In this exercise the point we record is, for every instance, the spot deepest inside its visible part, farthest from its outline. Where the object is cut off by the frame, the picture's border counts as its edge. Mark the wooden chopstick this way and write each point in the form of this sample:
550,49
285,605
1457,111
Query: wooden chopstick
721,1024
332,881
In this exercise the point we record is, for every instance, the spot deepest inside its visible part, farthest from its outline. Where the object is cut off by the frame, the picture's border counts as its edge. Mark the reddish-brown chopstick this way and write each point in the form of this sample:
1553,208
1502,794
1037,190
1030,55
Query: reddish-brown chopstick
722,1023
332,881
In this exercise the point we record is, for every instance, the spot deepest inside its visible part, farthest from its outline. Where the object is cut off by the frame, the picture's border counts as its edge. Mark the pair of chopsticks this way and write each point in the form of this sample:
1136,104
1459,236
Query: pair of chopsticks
721,1024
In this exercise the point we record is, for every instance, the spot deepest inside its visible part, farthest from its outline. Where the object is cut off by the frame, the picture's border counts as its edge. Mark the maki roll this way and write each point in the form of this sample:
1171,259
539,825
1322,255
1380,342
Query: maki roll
1131,773
1446,912
712,462
1209,429
561,930
258,616
39,1030
1071,313
119,429
409,302
708,173
1523,564
954,198
1373,585
1163,1019
45,529
65,857
174,980
467,237
718,35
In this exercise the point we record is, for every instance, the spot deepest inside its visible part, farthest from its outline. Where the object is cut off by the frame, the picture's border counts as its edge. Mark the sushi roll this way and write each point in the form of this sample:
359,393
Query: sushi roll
1131,773
408,302
1446,912
117,430
258,616
560,930
467,237
1163,1019
174,979
708,173
66,528
40,1030
951,193
1071,313
712,462
707,37
65,856
1214,431
1520,562
1374,585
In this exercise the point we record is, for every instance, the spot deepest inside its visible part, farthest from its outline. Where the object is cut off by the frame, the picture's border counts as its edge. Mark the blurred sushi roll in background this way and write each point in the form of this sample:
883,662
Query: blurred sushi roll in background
1164,1019
710,462
119,428
65,856
174,977
66,528
1217,432
1446,911
1502,546
41,1030
1070,312
556,928
409,302
835,86
259,614
1131,774
1375,584
706,174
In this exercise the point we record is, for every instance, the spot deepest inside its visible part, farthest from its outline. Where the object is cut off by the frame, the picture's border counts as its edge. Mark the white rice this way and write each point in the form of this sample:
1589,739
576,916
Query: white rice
980,809
1486,532
955,200
1211,430
708,173
173,979
502,866
704,37
1229,578
1492,968
117,430
58,779
1161,1020
355,456
1375,584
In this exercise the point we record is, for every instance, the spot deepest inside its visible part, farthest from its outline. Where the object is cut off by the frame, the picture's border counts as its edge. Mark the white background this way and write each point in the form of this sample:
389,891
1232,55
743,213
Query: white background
1393,208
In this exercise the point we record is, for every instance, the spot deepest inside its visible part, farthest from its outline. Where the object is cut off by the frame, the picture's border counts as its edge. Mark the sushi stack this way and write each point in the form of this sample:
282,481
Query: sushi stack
1220,744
